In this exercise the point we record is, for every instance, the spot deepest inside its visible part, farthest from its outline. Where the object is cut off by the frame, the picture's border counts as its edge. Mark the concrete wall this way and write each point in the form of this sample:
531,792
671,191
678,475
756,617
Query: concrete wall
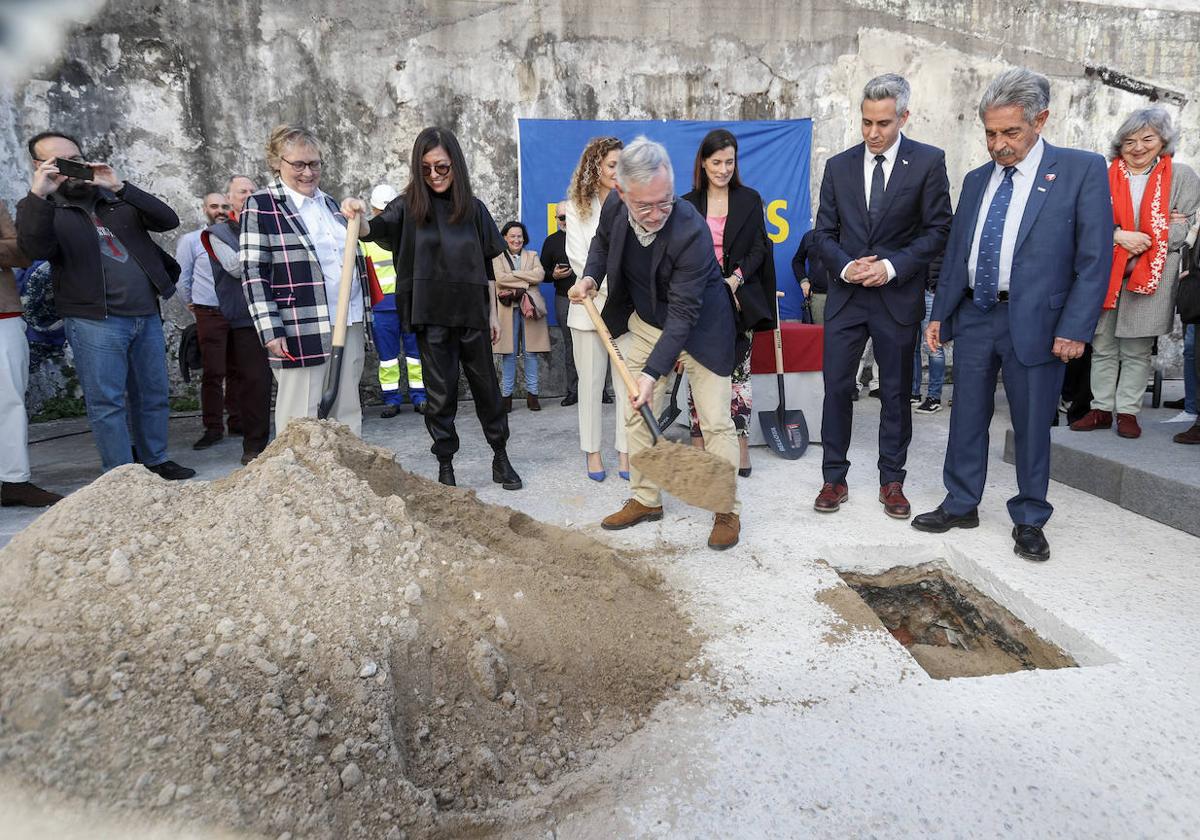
179,94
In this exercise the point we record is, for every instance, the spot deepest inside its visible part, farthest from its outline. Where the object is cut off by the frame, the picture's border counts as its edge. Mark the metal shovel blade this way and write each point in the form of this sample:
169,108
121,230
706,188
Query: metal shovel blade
786,431
672,411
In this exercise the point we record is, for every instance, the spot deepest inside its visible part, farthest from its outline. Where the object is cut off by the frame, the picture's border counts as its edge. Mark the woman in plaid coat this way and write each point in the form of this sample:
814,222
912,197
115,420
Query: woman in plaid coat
443,240
292,241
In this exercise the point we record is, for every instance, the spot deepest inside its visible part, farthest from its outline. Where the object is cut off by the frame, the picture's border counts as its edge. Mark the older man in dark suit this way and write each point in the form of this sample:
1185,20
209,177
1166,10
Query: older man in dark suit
1021,287
665,287
884,216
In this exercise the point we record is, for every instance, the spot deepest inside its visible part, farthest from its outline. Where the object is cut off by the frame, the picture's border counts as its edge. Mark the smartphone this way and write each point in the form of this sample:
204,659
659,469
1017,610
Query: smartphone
73,169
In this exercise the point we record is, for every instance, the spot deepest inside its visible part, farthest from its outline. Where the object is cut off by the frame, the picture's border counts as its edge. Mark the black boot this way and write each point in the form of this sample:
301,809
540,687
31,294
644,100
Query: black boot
507,404
446,473
503,472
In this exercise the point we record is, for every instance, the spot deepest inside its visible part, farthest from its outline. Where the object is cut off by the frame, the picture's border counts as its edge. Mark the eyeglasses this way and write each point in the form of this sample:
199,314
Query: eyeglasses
299,166
562,218
442,169
644,209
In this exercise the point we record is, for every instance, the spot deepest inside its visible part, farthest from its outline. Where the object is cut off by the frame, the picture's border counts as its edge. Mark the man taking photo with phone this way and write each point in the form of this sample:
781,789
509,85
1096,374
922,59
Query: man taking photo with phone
94,230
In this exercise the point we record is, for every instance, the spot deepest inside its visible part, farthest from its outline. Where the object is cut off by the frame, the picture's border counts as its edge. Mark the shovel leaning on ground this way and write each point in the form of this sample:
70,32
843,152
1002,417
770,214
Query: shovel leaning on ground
333,372
689,474
786,431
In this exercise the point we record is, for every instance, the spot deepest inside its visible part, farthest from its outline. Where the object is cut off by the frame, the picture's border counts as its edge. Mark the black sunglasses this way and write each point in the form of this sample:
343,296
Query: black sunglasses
442,169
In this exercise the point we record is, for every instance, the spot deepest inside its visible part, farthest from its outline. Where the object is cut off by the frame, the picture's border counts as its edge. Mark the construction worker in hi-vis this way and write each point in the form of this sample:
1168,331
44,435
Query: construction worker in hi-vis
389,339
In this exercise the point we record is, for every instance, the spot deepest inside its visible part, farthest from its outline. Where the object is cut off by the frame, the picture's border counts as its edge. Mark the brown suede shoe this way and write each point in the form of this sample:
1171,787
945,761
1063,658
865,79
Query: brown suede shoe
1127,426
25,494
725,531
531,402
831,497
1191,436
631,514
1093,420
891,495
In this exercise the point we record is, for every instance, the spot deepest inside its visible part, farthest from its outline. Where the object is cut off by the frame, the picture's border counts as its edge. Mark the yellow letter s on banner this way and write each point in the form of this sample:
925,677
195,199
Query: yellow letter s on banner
775,217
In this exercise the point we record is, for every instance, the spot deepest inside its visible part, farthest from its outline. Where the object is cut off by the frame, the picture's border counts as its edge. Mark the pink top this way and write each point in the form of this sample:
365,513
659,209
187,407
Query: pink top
716,226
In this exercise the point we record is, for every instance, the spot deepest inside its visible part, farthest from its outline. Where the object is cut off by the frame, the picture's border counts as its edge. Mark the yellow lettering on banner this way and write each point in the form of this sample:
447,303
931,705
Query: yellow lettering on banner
775,217
551,219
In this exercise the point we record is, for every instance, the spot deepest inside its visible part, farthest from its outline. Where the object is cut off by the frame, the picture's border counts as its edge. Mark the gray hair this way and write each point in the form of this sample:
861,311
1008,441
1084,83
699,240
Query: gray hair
641,160
1155,117
1027,90
889,86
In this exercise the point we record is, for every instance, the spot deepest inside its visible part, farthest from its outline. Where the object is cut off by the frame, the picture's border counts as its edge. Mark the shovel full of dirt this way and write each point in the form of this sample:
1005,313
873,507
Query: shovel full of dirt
692,475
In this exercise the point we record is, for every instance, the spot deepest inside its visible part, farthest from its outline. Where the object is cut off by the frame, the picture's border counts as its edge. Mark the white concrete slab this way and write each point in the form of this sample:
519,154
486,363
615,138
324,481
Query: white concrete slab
804,732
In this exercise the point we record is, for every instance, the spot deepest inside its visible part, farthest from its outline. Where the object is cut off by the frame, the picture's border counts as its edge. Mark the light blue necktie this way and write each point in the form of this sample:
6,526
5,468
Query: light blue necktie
987,267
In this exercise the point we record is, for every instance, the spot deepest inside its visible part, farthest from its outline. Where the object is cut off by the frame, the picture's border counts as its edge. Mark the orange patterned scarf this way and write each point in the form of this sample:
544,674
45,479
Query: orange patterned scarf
1148,270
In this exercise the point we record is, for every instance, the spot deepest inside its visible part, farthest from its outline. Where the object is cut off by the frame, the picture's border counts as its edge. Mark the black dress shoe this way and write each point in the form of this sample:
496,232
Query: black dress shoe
1029,542
744,472
570,399
446,473
1175,404
209,438
937,521
171,471
389,411
504,474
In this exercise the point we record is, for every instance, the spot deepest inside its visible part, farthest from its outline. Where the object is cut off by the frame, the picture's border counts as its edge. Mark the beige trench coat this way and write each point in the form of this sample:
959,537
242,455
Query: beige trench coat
528,277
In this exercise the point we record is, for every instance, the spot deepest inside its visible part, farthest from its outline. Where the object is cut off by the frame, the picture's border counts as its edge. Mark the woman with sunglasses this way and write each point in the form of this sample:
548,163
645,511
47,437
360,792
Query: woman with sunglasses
734,213
292,242
593,179
443,241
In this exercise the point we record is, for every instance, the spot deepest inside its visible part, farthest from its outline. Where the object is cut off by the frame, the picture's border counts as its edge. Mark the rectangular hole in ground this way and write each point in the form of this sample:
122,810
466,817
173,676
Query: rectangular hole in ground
951,628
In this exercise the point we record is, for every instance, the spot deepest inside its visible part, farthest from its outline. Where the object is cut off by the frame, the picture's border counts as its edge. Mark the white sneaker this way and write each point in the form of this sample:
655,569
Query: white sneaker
1182,417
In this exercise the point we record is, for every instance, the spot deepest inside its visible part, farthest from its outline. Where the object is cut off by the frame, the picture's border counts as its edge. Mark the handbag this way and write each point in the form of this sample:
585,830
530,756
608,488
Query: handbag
530,310
1188,298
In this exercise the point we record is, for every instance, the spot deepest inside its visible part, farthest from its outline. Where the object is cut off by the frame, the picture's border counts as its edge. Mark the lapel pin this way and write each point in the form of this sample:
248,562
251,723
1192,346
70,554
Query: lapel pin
902,160
1050,176
1041,189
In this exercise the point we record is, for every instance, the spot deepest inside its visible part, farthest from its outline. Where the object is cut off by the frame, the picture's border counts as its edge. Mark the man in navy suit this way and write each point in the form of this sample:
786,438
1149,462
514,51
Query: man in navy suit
884,216
666,289
1025,274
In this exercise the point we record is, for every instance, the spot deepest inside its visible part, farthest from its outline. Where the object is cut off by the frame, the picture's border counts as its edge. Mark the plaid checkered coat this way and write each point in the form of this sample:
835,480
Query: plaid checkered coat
282,279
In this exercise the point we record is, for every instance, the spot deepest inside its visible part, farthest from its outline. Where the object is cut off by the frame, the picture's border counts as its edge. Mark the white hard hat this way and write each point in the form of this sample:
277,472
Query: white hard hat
382,195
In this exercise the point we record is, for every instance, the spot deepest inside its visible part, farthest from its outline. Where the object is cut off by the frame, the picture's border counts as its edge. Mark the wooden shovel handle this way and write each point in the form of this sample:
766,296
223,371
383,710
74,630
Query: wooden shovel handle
349,256
610,345
778,337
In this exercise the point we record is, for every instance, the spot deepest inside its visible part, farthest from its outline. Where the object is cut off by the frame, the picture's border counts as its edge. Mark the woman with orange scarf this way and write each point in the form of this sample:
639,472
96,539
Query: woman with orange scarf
1154,203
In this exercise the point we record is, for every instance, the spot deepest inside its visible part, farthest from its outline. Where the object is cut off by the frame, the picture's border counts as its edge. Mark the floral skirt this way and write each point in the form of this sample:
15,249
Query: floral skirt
740,401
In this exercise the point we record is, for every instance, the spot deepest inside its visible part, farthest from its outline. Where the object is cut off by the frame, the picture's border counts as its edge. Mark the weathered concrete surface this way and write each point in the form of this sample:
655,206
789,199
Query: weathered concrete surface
180,94
817,723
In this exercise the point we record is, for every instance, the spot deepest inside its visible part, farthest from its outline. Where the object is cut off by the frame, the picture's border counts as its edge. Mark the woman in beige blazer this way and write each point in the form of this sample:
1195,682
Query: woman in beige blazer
522,312
592,181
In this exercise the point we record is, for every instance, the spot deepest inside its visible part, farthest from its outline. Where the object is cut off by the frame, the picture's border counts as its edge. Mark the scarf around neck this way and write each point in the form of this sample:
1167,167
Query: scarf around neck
1153,221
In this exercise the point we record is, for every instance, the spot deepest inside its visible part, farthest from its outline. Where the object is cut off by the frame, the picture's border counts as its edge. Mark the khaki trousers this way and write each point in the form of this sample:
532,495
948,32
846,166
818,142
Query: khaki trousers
299,393
1120,367
710,392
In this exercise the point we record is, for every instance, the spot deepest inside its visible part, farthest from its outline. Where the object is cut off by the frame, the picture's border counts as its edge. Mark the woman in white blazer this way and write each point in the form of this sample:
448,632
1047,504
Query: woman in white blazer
594,177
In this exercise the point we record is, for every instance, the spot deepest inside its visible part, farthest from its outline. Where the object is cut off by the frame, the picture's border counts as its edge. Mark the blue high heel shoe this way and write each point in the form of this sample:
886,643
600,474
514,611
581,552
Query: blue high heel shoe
600,475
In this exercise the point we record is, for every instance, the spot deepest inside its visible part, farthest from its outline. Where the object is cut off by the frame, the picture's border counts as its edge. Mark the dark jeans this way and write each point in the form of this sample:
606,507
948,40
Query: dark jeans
443,350
561,305
252,388
220,370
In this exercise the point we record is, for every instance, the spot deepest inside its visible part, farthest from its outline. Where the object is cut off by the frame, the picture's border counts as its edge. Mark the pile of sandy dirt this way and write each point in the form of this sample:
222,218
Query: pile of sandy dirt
320,644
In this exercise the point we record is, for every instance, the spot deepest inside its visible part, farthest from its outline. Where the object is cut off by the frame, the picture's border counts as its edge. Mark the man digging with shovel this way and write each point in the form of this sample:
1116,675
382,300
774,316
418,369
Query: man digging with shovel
665,287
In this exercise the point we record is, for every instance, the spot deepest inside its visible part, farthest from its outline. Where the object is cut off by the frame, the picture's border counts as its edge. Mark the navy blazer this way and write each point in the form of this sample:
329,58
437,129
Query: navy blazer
693,304
1062,260
911,231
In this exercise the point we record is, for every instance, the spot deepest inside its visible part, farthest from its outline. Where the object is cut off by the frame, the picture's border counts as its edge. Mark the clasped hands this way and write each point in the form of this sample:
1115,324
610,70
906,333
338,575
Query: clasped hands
866,271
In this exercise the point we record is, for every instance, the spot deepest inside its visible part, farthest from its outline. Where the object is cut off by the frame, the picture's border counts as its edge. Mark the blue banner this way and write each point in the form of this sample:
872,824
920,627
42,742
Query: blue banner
773,158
